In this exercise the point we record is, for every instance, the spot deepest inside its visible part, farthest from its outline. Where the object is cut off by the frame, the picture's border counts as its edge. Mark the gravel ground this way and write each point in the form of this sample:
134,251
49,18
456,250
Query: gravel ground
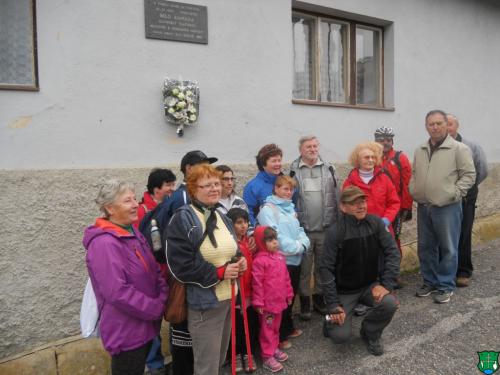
423,338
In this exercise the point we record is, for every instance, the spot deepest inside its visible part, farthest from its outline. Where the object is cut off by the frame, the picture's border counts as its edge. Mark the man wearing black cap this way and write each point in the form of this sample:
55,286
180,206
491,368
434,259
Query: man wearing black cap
181,344
350,272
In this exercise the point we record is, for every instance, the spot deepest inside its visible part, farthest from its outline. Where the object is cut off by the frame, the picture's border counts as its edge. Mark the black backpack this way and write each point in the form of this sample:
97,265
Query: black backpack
162,214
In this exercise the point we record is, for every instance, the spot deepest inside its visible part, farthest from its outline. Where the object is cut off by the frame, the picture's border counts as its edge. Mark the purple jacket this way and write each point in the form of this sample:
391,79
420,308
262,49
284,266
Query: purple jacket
271,285
128,286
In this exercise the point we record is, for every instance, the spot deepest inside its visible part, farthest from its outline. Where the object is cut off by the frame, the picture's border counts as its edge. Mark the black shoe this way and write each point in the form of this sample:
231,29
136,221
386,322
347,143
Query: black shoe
374,346
360,309
319,304
305,308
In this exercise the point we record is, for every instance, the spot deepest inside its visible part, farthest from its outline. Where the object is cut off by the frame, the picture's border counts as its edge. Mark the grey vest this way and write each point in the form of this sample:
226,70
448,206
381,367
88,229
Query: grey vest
330,191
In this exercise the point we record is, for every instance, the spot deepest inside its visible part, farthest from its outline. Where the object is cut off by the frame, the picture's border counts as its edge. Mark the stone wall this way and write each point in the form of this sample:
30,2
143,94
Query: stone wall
42,261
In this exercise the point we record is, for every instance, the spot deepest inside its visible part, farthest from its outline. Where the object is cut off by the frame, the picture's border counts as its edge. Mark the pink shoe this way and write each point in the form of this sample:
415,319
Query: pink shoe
272,365
280,356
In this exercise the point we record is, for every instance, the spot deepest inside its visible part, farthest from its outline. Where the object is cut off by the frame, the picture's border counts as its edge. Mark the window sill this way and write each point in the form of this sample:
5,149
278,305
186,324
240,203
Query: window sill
341,105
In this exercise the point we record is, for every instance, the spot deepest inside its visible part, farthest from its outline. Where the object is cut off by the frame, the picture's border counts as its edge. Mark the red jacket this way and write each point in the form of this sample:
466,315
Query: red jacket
401,179
147,204
381,195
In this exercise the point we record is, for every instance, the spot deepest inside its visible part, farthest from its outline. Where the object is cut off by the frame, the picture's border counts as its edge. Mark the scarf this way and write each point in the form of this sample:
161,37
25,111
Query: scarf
210,220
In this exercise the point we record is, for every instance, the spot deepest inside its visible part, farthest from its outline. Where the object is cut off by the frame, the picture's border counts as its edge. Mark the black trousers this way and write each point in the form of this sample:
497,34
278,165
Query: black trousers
287,326
253,329
131,362
465,243
375,321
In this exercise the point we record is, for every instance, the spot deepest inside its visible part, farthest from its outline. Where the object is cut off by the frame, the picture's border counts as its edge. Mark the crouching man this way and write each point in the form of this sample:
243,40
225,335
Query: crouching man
360,263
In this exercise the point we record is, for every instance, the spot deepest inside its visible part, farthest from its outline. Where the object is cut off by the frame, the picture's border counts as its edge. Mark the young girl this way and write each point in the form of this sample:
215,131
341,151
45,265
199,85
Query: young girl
240,220
271,294
278,212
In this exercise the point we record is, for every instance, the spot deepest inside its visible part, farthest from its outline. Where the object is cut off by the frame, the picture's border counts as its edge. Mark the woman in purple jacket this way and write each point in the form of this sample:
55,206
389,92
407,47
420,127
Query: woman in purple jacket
126,279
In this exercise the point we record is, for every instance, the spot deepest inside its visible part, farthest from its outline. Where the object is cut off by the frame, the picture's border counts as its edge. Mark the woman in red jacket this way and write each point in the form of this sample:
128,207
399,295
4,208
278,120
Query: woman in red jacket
381,195
367,174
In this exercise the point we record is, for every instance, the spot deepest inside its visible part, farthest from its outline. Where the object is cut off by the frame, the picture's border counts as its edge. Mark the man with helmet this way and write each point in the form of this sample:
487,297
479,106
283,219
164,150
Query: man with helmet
398,167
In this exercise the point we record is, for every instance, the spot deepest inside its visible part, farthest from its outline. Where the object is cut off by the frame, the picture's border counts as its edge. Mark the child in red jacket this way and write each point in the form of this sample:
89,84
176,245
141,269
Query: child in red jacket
240,220
272,293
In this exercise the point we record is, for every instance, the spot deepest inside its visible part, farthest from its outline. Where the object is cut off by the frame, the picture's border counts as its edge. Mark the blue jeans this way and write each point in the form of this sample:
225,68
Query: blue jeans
438,236
155,359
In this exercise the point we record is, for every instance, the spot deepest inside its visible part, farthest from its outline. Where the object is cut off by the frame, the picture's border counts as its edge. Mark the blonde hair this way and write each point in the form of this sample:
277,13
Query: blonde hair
375,147
285,180
108,193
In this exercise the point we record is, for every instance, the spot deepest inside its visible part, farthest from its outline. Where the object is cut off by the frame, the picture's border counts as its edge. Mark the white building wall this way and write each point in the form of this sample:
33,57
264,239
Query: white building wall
100,102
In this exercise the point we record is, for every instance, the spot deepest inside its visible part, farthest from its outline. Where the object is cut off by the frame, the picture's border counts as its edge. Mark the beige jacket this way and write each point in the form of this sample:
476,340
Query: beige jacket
446,177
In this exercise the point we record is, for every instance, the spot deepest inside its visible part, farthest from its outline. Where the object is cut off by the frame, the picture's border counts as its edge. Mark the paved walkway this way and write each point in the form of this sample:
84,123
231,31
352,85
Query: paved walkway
423,338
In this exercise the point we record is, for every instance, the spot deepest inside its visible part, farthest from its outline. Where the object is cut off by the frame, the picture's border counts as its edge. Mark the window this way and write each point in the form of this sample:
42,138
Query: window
336,61
18,61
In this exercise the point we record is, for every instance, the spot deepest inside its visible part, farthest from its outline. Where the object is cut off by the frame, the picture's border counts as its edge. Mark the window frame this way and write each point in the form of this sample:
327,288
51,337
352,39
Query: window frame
34,86
350,66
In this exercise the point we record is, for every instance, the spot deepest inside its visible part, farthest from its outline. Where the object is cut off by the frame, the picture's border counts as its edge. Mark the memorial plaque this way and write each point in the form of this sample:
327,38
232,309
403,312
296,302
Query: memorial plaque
170,20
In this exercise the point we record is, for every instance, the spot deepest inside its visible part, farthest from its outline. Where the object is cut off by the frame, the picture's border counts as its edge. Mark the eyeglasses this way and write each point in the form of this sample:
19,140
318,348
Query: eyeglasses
227,179
212,185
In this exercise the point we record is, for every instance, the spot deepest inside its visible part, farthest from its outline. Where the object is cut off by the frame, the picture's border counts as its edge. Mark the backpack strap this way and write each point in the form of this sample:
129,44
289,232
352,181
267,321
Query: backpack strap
396,161
332,171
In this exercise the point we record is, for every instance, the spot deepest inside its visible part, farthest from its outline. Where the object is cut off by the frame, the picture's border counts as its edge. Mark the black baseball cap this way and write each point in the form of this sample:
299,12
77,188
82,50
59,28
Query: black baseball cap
195,157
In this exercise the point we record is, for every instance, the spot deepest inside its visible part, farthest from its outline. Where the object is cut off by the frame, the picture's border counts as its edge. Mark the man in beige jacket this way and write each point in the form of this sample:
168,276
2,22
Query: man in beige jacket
442,173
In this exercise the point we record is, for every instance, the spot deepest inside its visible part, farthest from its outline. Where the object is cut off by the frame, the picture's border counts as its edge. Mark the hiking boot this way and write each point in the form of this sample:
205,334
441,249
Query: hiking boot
399,283
247,364
463,282
425,290
374,346
272,365
305,308
156,371
295,333
280,356
443,296
319,304
360,309
285,344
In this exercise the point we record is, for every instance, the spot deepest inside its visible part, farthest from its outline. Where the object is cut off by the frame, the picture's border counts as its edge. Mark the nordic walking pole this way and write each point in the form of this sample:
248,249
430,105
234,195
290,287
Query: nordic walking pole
233,329
245,325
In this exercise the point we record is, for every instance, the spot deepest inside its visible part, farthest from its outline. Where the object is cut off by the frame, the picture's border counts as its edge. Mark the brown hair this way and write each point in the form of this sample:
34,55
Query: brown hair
198,172
270,234
267,152
377,149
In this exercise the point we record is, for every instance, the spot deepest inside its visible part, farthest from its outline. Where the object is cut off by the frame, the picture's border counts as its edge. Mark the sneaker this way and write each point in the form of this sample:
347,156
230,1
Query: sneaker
374,346
239,364
360,309
247,364
305,308
443,296
425,290
463,282
280,356
272,365
295,333
319,304
285,344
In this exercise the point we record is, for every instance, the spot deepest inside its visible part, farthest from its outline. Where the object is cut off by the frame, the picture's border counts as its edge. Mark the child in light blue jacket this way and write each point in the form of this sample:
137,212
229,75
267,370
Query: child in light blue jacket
279,213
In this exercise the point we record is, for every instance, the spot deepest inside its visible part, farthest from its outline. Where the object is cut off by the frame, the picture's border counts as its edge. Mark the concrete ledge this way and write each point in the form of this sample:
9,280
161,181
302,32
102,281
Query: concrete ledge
485,229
